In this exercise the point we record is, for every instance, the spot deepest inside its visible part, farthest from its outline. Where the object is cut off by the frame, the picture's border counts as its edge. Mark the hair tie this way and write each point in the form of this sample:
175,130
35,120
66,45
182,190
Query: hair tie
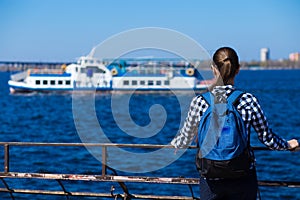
227,59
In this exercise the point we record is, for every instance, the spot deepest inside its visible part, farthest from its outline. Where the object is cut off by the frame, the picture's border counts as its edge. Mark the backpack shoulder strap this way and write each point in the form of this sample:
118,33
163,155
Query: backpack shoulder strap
235,96
208,97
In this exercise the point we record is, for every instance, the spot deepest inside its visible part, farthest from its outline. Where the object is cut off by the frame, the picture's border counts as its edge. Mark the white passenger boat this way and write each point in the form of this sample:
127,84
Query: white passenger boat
91,74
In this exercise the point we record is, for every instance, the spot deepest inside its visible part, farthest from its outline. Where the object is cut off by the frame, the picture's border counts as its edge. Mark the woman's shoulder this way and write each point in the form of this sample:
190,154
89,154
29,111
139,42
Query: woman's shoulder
248,99
249,96
245,95
199,101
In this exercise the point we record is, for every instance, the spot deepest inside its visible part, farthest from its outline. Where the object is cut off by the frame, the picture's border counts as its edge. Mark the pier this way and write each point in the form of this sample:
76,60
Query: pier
104,176
11,66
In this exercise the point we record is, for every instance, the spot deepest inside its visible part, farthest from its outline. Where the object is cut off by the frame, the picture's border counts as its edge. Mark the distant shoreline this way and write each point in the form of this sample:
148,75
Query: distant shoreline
269,68
22,66
2,70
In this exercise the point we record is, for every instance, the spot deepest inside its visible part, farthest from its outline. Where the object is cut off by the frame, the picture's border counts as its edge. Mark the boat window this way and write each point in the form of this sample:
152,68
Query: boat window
52,82
37,82
150,82
68,82
76,69
158,82
60,82
97,70
142,82
92,70
126,82
45,82
134,82
167,82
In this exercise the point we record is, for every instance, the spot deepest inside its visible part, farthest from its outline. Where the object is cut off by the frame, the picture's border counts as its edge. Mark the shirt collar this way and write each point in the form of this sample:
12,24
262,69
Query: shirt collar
222,92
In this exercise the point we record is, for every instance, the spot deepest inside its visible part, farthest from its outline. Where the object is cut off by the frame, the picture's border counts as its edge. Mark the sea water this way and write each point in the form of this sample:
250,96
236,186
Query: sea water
64,118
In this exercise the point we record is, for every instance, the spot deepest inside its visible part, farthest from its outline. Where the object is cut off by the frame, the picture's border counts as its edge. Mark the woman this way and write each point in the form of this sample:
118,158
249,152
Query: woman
225,67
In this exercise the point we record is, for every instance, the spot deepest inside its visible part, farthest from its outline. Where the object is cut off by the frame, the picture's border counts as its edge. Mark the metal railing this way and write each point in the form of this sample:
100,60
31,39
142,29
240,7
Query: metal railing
104,177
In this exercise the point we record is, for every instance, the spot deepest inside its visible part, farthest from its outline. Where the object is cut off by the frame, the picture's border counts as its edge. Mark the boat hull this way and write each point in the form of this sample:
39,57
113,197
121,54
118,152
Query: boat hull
22,89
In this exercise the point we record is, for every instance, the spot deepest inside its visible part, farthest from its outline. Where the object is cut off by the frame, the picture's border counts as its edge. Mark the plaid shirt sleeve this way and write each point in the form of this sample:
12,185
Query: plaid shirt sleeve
190,127
253,114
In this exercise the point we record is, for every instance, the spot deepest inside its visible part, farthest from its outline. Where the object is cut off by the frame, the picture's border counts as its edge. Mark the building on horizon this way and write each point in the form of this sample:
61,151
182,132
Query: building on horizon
264,54
295,57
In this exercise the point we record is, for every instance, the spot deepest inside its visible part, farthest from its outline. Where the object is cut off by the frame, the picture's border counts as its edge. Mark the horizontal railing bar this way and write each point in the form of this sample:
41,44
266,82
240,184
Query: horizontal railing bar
135,179
107,145
279,184
89,144
92,194
100,178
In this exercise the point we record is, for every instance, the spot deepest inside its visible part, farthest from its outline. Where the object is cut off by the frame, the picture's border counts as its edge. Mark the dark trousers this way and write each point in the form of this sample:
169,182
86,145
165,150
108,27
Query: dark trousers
229,189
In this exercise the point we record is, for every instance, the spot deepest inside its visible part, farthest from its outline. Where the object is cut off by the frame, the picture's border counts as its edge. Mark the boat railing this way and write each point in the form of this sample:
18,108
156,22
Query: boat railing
103,176
19,76
155,69
45,71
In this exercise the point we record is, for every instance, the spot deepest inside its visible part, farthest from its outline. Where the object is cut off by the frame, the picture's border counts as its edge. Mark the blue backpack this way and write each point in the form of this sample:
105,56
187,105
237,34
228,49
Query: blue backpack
224,146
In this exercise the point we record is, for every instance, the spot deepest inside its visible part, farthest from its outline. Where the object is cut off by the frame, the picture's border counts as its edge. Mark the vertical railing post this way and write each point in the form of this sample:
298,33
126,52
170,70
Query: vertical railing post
6,158
104,160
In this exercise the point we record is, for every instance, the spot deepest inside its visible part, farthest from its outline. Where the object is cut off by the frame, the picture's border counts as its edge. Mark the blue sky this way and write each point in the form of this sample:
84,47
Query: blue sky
58,30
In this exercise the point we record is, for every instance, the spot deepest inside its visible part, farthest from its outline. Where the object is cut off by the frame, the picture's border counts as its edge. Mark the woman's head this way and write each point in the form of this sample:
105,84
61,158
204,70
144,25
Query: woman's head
226,61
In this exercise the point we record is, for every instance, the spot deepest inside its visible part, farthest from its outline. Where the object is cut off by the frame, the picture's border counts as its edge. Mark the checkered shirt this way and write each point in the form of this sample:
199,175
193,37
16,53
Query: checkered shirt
250,110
